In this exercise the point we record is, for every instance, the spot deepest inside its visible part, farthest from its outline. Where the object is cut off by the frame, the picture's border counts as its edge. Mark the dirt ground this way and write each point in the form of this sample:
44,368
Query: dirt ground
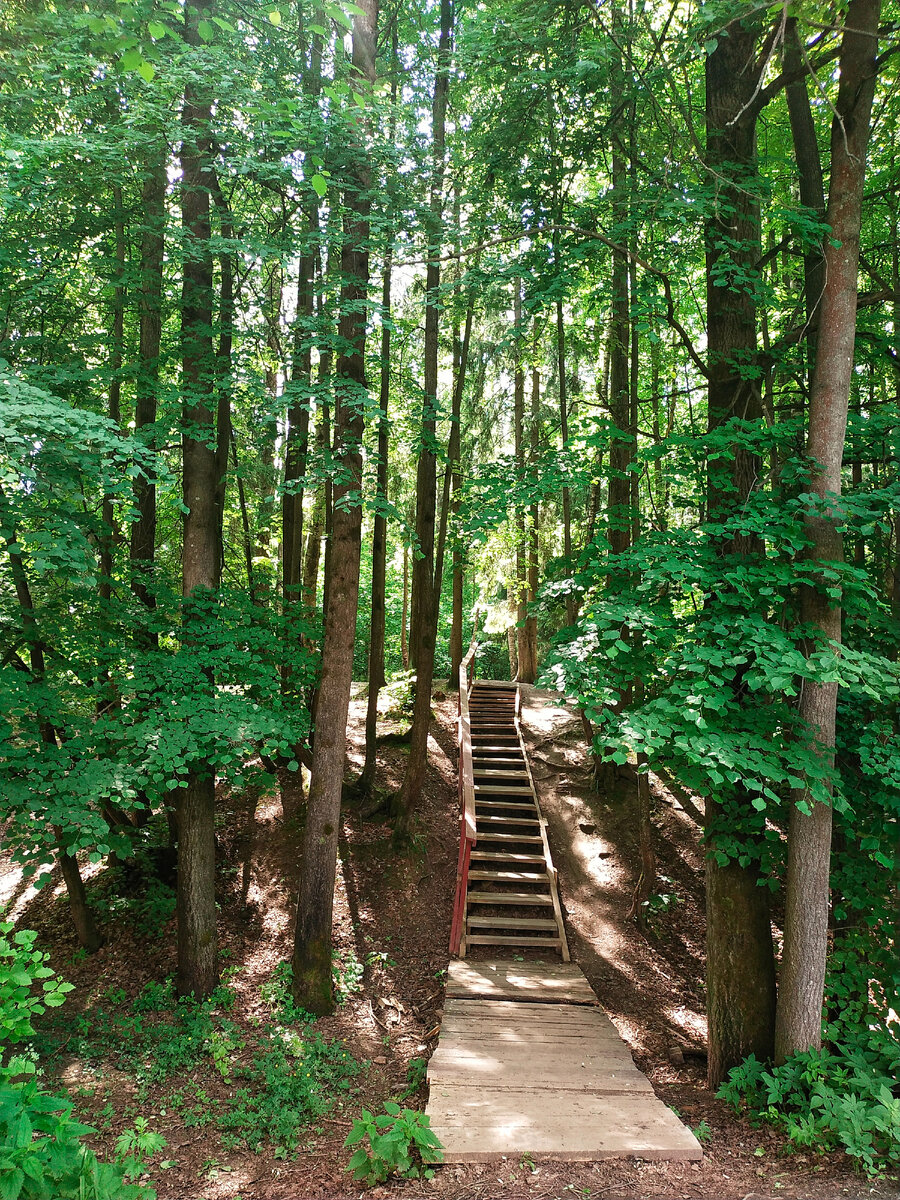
393,919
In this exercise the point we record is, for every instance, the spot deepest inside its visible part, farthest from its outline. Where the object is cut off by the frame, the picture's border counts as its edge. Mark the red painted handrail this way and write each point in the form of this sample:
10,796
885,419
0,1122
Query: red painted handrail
467,833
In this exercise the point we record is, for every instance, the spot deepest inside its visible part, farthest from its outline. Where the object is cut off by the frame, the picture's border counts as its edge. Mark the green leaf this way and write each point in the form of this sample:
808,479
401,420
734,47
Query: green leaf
275,16
206,30
320,185
156,30
146,70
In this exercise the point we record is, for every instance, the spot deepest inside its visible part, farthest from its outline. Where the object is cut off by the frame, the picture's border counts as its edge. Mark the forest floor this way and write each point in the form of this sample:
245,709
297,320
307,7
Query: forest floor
122,1048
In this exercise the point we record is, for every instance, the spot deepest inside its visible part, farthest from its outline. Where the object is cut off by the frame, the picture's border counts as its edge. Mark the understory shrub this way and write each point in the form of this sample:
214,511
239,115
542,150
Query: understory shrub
841,1097
42,1156
400,1142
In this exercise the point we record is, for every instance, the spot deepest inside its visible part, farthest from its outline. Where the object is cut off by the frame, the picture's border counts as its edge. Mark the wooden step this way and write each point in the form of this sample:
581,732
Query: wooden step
487,773
513,923
522,898
480,939
510,876
479,803
487,836
490,819
505,856
492,789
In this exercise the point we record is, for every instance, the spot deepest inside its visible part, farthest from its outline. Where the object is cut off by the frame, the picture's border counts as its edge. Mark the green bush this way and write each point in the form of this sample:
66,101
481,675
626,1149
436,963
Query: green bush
827,1099
400,1143
41,1152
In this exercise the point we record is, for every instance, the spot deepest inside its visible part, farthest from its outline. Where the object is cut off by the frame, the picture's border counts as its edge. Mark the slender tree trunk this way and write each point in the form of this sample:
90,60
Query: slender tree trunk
195,806
143,531
82,918
379,540
312,988
424,606
620,452
404,615
799,1021
535,515
740,955
809,171
527,668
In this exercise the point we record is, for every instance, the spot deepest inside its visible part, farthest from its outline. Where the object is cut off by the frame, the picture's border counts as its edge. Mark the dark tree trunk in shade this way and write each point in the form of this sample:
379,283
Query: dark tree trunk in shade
423,632
740,954
143,530
802,980
809,172
379,542
197,970
620,451
312,986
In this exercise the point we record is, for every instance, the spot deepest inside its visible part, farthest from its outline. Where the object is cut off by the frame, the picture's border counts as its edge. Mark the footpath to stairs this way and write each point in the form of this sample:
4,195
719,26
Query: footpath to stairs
526,1062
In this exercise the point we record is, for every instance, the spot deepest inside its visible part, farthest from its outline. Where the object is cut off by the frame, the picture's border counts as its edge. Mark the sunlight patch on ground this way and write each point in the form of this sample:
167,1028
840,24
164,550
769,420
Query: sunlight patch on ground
690,1021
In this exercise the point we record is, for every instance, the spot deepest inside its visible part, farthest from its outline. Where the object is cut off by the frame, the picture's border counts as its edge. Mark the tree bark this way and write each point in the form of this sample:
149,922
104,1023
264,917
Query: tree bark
799,1020
197,970
740,954
379,540
312,984
143,531
423,631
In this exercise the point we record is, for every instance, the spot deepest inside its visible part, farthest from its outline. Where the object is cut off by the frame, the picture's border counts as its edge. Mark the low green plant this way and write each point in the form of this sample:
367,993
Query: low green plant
294,1077
702,1132
136,1146
415,1077
827,1099
400,1142
21,967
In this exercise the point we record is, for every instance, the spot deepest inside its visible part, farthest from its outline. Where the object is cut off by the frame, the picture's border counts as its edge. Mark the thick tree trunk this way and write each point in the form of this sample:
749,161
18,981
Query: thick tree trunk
312,987
740,954
423,632
799,1021
527,667
197,970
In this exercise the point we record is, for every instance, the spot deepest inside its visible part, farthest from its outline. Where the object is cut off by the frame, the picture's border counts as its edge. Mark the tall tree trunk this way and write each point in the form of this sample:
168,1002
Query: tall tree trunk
740,955
197,971
799,1021
379,540
424,607
620,452
143,531
809,172
312,988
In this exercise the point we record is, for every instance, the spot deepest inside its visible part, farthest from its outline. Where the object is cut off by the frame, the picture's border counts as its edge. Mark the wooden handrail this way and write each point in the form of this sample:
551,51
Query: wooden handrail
467,831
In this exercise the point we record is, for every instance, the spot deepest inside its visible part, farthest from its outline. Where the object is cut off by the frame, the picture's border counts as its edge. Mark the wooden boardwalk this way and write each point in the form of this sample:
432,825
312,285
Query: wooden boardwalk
527,1063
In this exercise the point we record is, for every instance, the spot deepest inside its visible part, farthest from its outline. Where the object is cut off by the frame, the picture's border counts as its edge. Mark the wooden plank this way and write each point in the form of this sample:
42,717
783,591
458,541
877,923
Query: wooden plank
529,1015
553,983
505,856
511,876
505,922
485,1125
509,898
478,939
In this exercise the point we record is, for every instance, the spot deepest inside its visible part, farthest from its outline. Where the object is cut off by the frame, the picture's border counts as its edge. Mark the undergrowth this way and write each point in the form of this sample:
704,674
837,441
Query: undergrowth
839,1098
282,1074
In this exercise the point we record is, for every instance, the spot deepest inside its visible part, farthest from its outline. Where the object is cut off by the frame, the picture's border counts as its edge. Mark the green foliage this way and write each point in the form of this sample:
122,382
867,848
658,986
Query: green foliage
828,1099
21,966
136,1146
400,1142
42,1156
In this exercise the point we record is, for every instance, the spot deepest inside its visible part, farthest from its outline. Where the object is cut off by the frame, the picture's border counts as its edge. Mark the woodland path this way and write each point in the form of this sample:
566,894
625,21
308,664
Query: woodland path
526,1062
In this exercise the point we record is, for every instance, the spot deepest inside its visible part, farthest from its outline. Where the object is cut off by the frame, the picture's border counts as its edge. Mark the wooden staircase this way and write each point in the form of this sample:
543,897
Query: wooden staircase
506,882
